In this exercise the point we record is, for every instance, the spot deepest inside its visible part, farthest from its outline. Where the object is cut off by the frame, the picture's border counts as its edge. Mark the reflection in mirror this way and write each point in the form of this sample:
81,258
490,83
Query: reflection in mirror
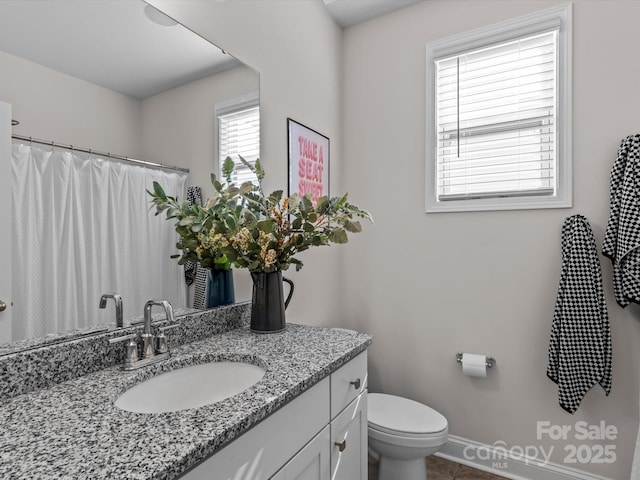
106,76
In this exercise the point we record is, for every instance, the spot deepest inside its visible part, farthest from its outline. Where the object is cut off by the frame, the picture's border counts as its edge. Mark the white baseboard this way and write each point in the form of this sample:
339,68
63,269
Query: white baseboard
502,463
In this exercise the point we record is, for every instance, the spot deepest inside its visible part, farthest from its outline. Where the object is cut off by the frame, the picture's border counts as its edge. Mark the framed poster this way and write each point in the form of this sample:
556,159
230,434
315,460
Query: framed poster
308,161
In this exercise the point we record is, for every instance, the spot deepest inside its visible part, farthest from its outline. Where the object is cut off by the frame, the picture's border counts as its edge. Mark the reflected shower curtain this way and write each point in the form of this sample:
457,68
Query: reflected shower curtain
82,226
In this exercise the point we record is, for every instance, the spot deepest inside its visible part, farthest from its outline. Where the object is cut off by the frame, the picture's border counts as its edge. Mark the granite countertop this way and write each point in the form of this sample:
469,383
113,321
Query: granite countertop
73,430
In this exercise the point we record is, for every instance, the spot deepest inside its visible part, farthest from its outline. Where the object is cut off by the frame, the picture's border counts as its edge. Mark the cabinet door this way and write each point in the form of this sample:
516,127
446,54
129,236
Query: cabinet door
310,463
349,442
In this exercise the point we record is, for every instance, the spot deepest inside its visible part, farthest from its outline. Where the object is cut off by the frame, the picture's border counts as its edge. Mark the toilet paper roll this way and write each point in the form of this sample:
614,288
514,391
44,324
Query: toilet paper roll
474,365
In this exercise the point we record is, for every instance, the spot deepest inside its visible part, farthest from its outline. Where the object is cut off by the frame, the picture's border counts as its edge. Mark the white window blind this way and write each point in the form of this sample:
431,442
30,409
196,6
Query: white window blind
499,133
495,116
239,134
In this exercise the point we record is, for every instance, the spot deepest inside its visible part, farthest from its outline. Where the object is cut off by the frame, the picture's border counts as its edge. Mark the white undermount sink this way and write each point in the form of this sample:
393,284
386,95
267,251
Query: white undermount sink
190,387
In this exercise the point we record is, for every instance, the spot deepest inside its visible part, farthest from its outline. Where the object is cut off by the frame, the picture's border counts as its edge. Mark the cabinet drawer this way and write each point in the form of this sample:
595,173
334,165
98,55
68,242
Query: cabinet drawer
348,382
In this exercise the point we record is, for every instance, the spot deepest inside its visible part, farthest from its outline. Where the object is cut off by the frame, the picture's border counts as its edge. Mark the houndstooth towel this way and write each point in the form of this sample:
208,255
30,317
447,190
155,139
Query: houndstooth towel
622,237
580,345
194,195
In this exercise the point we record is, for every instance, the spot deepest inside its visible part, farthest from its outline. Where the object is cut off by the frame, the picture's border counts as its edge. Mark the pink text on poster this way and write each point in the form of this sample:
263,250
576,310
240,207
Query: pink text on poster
310,168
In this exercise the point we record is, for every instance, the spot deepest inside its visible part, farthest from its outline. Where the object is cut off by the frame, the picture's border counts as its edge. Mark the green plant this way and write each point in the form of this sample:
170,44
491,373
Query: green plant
260,232
193,224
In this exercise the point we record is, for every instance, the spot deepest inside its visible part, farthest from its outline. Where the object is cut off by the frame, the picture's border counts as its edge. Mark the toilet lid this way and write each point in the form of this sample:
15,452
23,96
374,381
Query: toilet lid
397,414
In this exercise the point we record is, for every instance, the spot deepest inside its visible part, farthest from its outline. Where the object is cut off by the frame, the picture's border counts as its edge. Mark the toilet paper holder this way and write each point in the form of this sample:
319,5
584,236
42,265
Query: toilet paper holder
490,360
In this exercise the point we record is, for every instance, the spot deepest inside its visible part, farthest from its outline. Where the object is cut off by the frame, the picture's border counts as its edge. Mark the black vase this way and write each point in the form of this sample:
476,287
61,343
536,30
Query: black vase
268,304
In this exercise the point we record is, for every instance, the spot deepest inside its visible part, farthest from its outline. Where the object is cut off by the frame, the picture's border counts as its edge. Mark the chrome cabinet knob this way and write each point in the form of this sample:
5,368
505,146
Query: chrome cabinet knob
3,306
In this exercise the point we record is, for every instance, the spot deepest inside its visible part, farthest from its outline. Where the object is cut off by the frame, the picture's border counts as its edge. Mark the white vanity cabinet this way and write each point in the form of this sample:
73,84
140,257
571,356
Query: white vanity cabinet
320,435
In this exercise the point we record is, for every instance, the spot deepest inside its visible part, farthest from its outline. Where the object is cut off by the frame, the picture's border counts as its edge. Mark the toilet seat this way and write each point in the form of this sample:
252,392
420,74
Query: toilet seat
401,417
416,441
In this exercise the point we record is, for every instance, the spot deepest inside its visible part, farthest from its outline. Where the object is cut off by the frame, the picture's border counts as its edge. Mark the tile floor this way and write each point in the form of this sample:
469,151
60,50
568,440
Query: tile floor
441,469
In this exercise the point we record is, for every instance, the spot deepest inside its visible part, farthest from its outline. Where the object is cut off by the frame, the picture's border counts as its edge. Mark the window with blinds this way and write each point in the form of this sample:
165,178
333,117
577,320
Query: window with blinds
239,135
497,118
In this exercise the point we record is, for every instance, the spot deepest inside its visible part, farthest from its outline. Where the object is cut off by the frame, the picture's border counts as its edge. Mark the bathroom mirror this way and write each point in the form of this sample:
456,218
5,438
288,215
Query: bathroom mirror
113,44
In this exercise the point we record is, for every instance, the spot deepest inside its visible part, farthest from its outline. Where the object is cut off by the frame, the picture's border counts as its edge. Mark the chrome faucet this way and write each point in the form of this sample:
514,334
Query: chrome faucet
148,347
118,301
150,354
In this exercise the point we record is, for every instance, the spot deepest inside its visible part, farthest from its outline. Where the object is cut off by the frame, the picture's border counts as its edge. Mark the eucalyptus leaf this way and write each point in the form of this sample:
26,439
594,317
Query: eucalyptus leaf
190,243
246,187
306,202
338,235
322,205
227,167
230,221
259,171
266,226
352,226
253,265
159,191
276,196
249,216
183,231
233,191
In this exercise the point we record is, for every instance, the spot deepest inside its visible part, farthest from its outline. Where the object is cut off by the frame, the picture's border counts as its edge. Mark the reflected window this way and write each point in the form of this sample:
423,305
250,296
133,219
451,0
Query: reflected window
239,136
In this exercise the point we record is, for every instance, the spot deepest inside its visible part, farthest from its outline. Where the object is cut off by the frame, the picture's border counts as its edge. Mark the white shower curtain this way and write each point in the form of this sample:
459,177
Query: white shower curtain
82,226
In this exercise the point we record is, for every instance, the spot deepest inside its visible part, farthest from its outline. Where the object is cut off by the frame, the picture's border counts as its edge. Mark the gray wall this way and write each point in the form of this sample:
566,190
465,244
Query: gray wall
428,286
53,106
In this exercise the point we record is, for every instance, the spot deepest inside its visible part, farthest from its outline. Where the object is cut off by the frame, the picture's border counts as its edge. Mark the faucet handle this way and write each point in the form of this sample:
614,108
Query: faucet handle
124,338
163,346
131,355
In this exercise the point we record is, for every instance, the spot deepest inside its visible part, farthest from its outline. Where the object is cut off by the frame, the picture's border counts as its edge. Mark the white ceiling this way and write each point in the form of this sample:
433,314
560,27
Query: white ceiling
109,43
115,45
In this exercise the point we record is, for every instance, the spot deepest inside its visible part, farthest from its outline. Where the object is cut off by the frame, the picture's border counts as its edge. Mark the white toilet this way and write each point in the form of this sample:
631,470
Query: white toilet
402,433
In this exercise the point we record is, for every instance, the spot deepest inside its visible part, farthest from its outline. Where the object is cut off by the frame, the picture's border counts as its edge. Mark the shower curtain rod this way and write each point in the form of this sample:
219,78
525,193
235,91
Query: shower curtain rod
100,154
